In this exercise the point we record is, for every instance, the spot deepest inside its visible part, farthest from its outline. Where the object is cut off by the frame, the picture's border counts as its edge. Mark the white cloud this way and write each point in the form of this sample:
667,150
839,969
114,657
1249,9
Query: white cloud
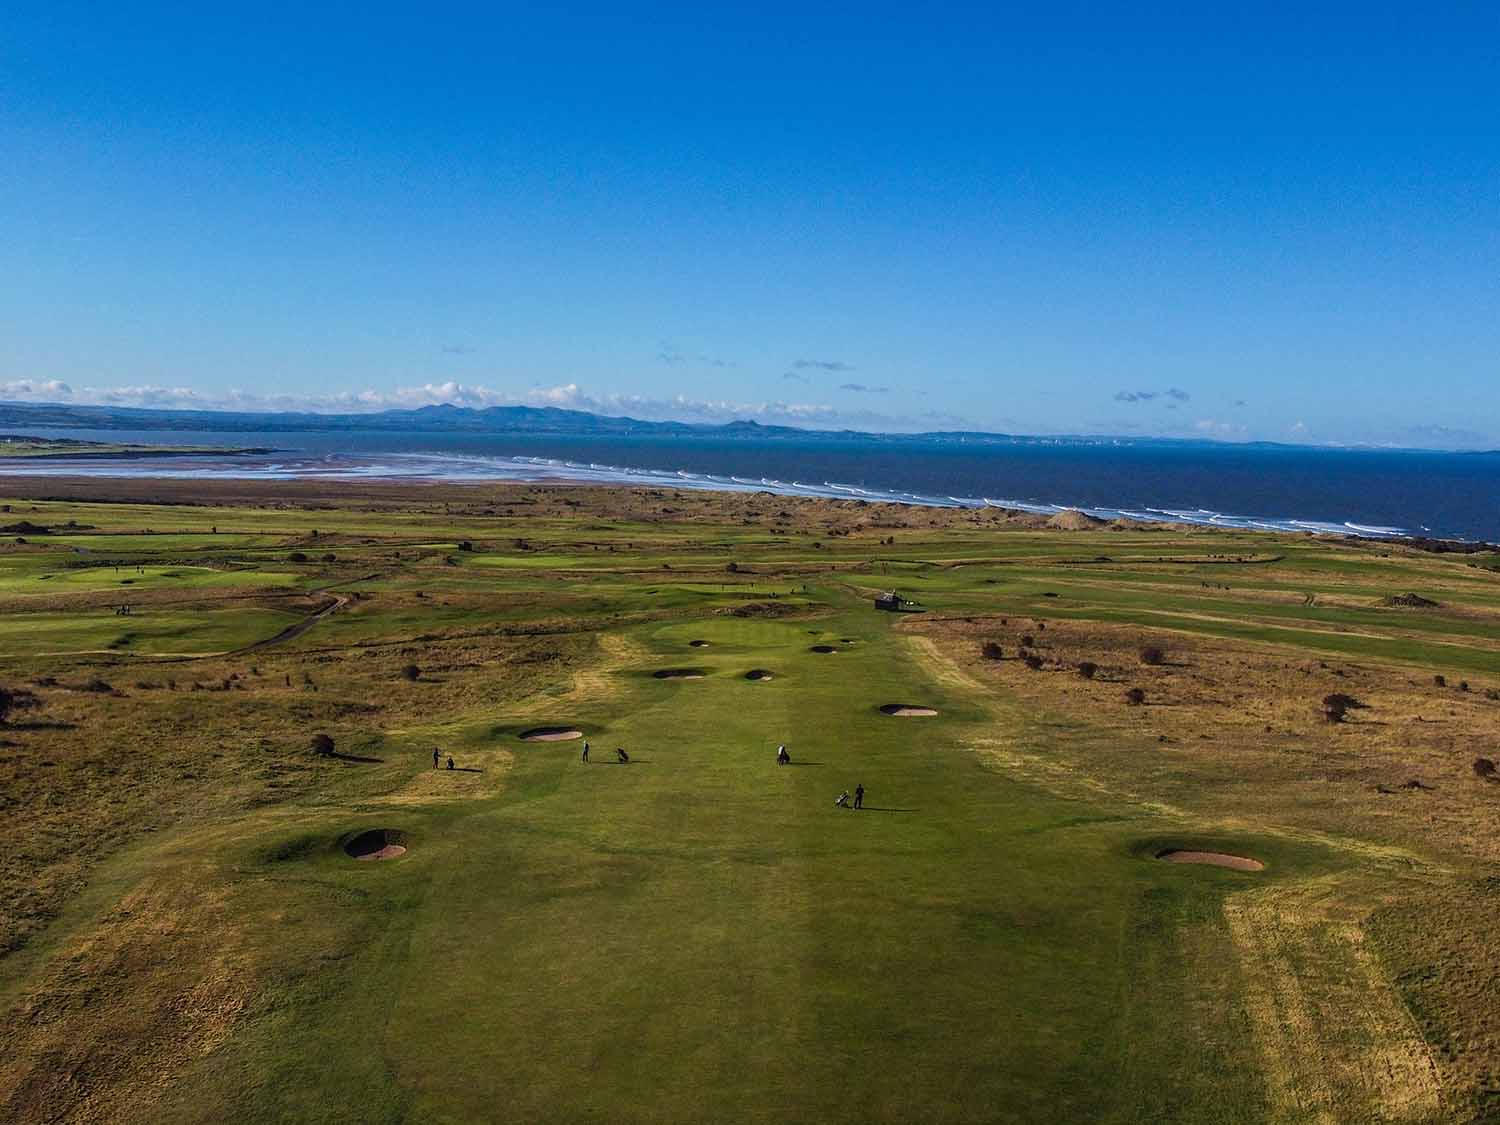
1209,427
567,396
45,390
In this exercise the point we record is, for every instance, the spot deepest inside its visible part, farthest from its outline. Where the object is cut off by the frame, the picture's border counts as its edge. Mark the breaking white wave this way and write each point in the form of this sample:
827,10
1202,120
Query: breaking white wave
460,467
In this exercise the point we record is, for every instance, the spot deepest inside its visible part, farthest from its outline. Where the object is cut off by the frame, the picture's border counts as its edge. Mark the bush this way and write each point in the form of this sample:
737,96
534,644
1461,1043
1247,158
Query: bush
1439,681
1032,661
991,651
466,545
1027,641
1484,767
1334,710
412,673
1087,669
1153,655
733,568
7,703
323,745
1463,685
297,557
1135,697
102,687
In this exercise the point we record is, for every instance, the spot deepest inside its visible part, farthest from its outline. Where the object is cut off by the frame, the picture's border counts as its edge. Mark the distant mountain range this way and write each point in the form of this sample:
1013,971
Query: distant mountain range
533,420
430,419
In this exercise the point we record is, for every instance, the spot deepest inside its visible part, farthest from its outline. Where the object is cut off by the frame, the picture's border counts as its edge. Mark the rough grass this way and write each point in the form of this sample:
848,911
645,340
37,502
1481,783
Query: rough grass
700,934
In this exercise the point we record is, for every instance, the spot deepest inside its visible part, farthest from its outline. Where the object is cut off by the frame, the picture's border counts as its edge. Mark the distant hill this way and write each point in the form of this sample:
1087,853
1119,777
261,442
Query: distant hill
426,419
535,420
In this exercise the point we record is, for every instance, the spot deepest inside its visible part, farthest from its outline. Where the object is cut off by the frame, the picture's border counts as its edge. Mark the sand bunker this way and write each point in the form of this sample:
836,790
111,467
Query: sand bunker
377,843
1213,859
907,710
825,649
680,674
550,734
699,644
758,674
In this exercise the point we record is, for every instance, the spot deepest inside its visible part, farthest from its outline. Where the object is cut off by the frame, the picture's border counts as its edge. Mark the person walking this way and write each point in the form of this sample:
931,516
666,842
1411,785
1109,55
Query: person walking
859,796
434,757
782,757
585,751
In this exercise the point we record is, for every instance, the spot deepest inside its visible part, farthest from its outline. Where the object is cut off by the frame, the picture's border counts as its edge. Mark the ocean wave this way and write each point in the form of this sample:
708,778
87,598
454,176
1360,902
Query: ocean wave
439,466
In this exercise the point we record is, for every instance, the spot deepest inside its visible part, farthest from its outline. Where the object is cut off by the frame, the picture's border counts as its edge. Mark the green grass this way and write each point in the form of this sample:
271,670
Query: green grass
699,935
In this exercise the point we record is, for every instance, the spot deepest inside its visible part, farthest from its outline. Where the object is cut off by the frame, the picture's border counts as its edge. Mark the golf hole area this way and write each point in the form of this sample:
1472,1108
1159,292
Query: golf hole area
907,710
1211,859
680,674
822,650
377,843
551,734
758,675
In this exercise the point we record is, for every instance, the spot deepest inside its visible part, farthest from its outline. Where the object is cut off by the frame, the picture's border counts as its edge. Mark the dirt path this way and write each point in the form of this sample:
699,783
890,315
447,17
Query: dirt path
293,631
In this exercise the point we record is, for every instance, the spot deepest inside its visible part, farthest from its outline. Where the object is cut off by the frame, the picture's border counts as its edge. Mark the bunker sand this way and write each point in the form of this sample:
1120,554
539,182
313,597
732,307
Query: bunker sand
1212,859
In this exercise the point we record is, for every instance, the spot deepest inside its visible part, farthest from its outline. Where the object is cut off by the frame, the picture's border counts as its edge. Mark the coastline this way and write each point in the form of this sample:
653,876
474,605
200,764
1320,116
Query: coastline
636,502
436,468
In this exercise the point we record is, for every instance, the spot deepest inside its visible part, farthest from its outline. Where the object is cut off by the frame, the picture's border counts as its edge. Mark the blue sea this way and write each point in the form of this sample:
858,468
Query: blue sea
1375,493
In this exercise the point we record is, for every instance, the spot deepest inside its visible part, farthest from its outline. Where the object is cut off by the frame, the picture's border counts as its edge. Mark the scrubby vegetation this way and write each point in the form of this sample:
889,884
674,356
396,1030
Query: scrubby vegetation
177,873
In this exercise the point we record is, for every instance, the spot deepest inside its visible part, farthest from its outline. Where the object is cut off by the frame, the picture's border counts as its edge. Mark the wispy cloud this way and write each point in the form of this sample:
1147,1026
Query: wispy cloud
861,388
1173,393
668,354
795,377
457,349
831,365
1211,427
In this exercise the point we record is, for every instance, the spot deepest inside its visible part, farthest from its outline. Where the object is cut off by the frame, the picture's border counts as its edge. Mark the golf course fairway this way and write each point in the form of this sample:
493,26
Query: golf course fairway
210,914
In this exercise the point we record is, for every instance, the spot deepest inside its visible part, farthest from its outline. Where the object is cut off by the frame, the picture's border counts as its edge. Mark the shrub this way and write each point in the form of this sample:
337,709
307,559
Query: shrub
1032,661
322,744
1484,767
1153,655
733,568
991,651
1135,697
102,687
330,558
1087,669
466,545
297,557
1334,709
7,702
1463,685
412,673
1439,681
1027,641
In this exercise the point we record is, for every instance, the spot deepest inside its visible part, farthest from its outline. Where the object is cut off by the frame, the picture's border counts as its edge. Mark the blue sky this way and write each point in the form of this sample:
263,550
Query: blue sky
1272,222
